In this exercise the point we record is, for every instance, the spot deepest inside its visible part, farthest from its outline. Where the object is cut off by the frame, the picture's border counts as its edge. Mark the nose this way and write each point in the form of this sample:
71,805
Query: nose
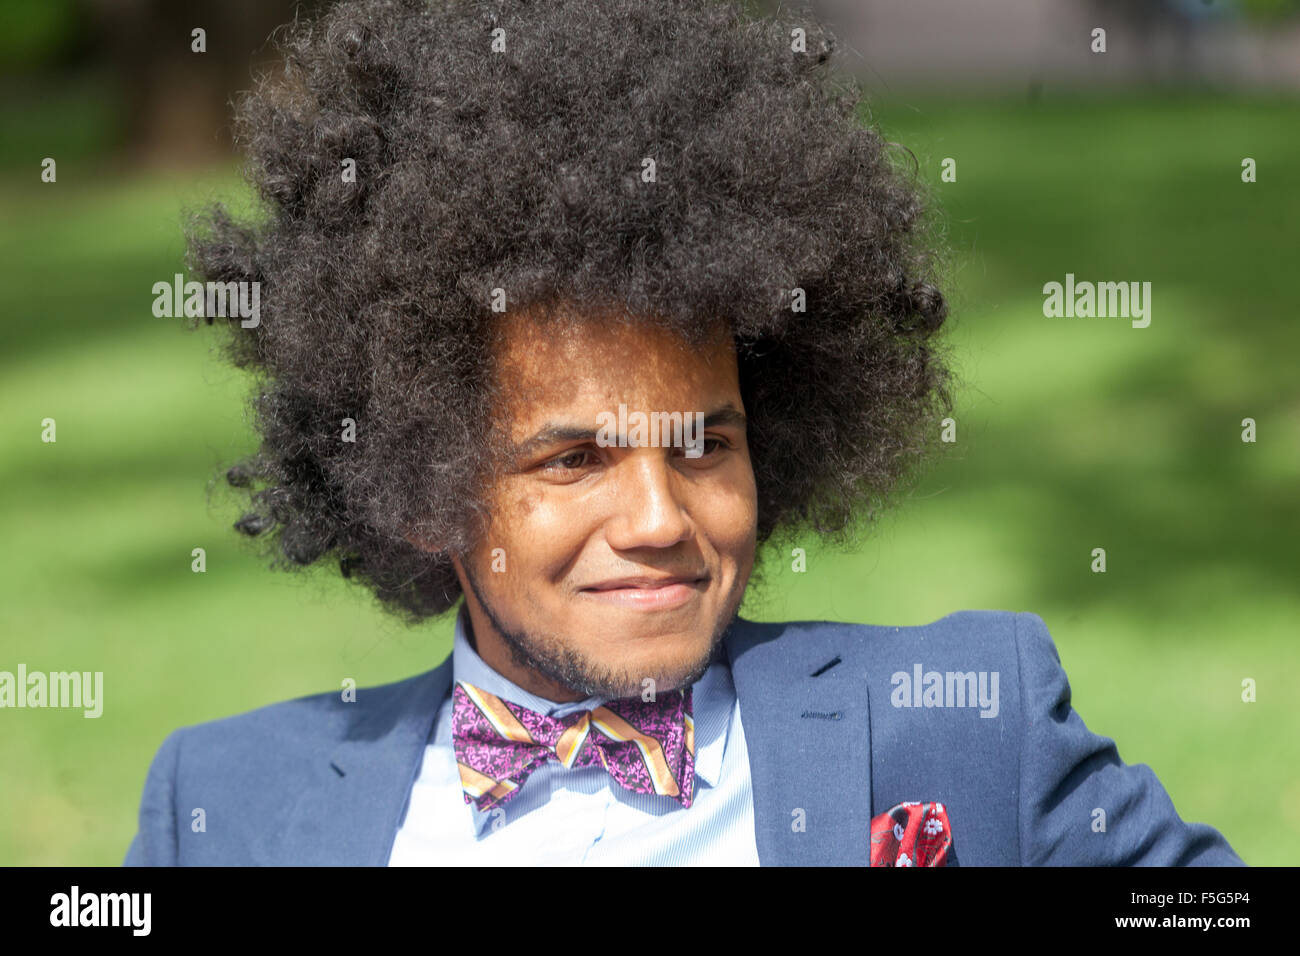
647,508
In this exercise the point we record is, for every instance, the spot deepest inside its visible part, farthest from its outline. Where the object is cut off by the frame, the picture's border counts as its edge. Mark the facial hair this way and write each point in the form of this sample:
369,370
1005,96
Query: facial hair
553,658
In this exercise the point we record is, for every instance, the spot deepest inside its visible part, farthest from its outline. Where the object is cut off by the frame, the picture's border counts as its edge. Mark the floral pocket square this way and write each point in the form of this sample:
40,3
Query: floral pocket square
911,834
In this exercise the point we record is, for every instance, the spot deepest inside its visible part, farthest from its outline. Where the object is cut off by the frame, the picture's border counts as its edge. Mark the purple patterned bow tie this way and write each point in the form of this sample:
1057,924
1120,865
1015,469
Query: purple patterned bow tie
648,747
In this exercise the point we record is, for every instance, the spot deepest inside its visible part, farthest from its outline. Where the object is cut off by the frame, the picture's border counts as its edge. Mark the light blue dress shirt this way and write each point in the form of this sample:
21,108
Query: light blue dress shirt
582,816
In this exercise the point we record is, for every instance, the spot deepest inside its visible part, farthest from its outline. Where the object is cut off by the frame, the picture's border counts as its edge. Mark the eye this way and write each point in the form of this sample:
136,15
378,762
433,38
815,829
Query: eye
569,461
719,444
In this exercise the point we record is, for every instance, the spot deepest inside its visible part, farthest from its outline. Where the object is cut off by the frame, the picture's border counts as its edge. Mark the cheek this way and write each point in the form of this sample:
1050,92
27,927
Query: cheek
730,511
539,535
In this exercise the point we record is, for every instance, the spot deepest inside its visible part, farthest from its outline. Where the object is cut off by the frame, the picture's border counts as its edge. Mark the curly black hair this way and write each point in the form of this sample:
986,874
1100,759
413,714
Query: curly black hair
500,146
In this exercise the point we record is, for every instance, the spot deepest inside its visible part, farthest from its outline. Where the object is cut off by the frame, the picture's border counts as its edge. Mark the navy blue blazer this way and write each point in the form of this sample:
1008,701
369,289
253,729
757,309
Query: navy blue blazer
837,724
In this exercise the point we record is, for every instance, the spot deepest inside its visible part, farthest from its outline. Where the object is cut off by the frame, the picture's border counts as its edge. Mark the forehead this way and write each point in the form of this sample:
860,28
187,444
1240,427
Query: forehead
579,368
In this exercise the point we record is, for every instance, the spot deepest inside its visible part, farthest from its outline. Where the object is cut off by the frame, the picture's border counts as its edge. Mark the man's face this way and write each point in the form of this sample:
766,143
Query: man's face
615,564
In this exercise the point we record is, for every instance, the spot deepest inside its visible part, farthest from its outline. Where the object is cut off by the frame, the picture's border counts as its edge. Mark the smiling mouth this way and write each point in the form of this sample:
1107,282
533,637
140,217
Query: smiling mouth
648,594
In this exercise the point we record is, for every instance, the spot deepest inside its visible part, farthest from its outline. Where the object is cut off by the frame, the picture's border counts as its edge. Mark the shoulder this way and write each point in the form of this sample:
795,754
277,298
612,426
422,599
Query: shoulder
315,722
248,772
1001,666
967,634
290,739
931,677
975,709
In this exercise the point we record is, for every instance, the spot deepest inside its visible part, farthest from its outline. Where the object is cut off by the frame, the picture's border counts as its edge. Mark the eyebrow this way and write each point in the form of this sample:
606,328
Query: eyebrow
554,434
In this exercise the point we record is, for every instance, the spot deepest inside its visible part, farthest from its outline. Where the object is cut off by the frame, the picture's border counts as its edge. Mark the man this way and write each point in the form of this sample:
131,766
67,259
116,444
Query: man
568,311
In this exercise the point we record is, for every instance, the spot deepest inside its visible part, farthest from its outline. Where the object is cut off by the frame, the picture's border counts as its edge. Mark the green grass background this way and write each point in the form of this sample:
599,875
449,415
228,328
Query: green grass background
1072,434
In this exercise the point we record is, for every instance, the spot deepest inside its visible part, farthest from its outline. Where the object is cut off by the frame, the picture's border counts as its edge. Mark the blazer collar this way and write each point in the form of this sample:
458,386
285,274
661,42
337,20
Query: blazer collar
803,704
352,814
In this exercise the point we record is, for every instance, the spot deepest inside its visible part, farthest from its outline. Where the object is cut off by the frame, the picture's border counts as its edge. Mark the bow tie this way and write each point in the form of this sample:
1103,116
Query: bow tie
647,746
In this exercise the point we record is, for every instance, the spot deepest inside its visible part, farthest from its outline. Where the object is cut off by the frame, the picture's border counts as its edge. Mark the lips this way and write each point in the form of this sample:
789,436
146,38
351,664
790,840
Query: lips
646,583
648,593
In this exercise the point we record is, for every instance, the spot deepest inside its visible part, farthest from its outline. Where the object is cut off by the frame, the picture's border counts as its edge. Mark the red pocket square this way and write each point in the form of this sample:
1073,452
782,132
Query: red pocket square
911,834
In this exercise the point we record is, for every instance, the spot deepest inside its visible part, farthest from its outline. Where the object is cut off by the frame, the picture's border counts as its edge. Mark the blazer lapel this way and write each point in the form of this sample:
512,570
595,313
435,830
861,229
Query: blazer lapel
804,708
352,816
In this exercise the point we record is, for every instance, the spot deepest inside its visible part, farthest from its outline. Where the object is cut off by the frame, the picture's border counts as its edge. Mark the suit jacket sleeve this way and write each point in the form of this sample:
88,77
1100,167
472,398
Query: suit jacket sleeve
1067,772
155,840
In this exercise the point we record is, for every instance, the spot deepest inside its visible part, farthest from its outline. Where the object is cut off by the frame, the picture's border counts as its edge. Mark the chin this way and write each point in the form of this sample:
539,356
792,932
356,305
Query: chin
655,633
672,656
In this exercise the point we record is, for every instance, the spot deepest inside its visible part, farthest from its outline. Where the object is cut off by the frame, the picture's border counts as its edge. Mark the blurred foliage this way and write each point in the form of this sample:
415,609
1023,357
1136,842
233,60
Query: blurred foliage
38,33
1269,10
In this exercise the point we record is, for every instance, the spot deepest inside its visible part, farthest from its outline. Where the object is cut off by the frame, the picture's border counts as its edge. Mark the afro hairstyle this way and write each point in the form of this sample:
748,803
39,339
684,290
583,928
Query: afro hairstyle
502,145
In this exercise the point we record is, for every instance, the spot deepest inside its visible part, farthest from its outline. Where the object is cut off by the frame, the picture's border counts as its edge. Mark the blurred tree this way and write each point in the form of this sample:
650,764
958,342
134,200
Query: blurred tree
177,102
1170,33
37,33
